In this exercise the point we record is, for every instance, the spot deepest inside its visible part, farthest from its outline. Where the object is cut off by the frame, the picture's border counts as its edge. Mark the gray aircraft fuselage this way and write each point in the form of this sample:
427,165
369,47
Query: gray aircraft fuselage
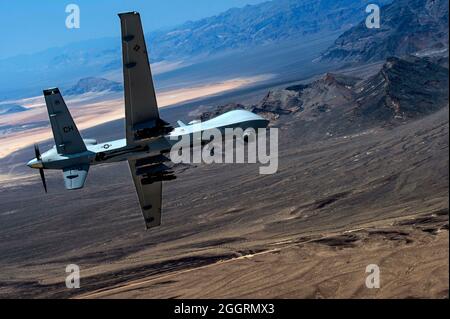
118,150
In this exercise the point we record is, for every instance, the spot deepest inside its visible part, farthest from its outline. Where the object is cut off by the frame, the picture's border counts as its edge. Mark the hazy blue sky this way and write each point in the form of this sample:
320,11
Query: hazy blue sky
28,26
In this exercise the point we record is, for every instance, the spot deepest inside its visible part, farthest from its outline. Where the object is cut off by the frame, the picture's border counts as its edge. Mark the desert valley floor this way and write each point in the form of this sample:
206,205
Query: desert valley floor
336,205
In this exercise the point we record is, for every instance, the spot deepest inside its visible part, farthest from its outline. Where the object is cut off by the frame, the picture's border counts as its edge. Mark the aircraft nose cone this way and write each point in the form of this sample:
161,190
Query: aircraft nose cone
31,163
34,163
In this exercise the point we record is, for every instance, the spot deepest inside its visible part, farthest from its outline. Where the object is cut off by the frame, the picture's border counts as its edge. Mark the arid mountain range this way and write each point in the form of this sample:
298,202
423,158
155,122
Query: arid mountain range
255,27
401,91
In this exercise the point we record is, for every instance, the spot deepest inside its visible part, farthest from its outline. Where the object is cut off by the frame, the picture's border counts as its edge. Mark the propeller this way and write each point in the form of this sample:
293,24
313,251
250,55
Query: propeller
41,170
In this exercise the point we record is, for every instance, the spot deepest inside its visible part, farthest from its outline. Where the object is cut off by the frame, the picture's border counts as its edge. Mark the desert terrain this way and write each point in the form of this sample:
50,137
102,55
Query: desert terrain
363,166
337,204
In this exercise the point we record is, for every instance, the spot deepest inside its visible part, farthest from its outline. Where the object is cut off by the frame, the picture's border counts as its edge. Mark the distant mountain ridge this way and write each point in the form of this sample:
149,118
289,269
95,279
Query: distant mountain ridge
257,24
407,27
93,84
240,28
11,108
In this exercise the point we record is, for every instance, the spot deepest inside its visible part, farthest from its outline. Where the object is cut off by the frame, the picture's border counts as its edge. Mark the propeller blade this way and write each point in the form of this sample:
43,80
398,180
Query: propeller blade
41,172
37,152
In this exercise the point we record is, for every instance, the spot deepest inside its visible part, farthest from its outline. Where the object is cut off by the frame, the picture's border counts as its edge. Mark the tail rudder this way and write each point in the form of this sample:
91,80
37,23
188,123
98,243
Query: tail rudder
67,137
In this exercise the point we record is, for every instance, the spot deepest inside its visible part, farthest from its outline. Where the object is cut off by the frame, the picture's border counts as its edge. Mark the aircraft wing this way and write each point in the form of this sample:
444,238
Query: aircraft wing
150,198
141,108
67,137
74,177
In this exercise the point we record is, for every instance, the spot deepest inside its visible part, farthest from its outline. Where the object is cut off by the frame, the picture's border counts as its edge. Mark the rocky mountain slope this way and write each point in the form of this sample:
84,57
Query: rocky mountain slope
406,27
402,90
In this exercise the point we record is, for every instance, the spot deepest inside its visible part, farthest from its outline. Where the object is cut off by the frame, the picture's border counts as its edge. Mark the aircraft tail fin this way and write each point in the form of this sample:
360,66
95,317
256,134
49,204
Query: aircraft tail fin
67,137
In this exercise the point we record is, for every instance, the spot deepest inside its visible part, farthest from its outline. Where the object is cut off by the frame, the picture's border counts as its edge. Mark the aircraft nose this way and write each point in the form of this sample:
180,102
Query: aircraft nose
34,163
